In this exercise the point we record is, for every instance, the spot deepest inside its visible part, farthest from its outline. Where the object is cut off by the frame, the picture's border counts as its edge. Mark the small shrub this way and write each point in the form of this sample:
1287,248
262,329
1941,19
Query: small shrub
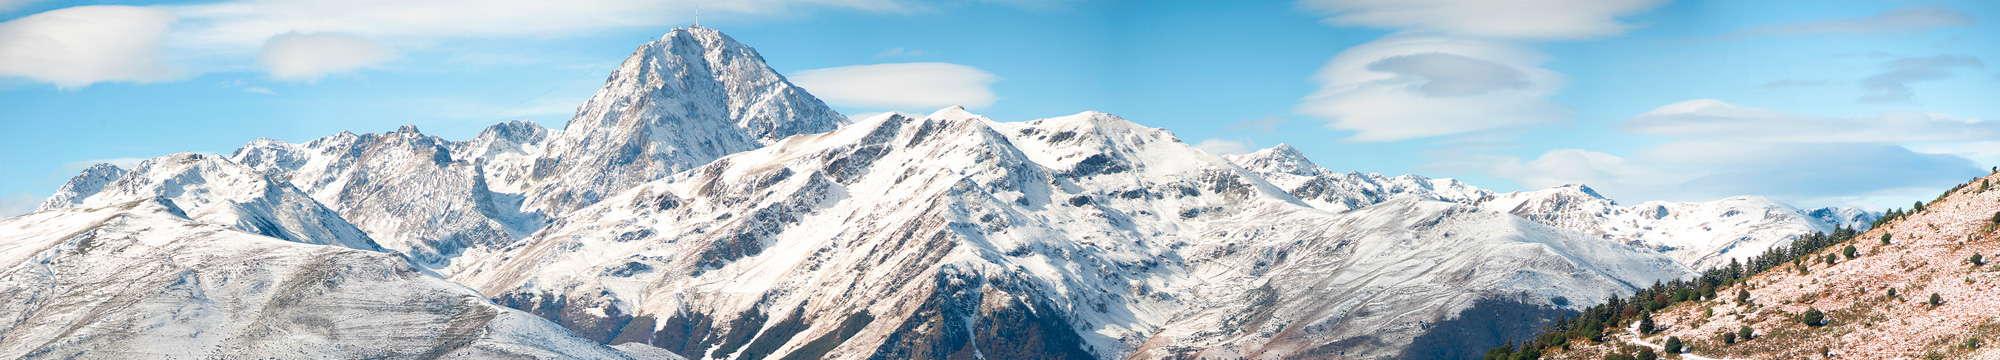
1813,317
1969,343
1743,295
1648,354
1728,338
1936,300
1829,259
1892,292
1849,252
1673,345
1744,333
1885,235
1977,259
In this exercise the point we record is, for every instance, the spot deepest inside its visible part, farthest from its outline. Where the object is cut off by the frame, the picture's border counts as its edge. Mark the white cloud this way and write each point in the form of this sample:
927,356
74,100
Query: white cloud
78,46
7,5
1413,86
1715,119
1897,20
924,85
122,163
308,57
15,204
1893,83
1523,19
1719,149
260,90
899,51
1225,147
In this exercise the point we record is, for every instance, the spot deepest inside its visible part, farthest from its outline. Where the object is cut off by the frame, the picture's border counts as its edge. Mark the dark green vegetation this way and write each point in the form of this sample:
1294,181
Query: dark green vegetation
1593,323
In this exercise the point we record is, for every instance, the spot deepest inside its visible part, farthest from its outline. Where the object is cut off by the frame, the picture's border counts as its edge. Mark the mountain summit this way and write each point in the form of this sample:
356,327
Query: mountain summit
678,102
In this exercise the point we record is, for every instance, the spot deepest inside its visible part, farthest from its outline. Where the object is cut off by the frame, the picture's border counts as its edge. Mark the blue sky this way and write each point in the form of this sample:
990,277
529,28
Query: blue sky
1819,103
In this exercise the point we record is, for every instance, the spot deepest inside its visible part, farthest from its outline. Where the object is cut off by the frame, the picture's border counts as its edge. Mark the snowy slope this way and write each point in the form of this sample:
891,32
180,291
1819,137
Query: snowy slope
213,190
407,189
1703,235
676,103
137,280
1289,169
688,98
83,185
1084,236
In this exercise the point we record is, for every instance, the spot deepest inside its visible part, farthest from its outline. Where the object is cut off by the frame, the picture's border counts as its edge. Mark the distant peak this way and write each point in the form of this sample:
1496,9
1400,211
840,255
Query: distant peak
955,113
1278,159
407,129
1585,189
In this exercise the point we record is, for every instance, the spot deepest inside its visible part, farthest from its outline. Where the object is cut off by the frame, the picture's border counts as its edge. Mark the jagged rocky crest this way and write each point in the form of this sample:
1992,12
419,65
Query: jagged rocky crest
700,205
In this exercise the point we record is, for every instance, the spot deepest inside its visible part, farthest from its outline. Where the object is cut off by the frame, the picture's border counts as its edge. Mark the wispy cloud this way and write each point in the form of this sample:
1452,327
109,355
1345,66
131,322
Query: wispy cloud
1792,83
1226,147
1529,20
308,57
1414,86
1717,149
1893,83
1454,67
901,86
15,204
78,46
1898,20
306,39
899,51
260,90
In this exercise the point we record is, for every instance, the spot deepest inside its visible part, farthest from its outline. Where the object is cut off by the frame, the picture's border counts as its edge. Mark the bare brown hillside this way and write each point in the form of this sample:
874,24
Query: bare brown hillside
1928,252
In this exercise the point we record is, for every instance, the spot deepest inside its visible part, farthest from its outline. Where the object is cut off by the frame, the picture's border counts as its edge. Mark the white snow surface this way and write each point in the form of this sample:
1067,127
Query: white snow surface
1145,244
1704,235
699,186
214,190
137,280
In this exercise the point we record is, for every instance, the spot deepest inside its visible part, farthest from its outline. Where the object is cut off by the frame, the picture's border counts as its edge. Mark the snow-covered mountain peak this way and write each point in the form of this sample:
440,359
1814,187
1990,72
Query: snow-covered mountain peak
676,103
1283,159
82,186
956,113
211,189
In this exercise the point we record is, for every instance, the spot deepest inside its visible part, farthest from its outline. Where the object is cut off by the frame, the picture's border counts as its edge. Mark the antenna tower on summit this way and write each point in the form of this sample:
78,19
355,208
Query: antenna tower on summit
697,16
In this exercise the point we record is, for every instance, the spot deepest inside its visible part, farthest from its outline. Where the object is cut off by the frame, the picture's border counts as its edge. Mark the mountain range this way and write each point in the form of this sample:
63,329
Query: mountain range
702,206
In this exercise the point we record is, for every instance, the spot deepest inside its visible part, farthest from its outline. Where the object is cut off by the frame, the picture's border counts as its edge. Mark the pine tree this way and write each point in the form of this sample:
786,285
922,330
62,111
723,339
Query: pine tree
1848,251
1728,338
1892,292
1977,260
1743,295
1648,354
1936,300
1646,325
1885,234
1744,333
1813,317
1829,259
1673,345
